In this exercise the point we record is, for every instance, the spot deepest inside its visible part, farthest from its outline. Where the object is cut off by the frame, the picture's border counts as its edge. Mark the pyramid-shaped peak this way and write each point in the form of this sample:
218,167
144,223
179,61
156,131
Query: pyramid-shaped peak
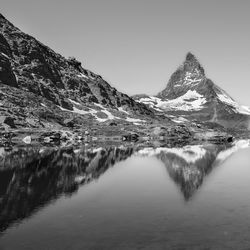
191,57
192,64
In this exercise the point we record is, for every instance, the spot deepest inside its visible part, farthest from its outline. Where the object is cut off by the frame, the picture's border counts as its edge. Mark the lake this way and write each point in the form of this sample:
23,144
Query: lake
125,197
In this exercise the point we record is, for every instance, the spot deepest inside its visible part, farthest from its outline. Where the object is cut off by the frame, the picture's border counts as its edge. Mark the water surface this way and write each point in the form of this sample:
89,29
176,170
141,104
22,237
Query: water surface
191,197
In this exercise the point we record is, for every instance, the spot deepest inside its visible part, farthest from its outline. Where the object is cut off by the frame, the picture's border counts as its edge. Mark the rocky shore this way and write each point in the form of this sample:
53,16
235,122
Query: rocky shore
113,134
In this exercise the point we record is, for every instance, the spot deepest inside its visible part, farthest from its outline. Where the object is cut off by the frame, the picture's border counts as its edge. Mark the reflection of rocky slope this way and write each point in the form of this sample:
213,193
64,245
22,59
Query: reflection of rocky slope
39,87
44,175
31,178
189,165
191,94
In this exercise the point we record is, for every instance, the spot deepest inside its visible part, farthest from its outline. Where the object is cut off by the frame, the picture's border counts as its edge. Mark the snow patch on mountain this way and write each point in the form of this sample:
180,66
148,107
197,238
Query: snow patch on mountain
134,120
42,104
122,110
82,75
190,101
78,111
94,112
223,97
5,55
180,119
91,111
190,79
83,112
105,111
152,102
74,102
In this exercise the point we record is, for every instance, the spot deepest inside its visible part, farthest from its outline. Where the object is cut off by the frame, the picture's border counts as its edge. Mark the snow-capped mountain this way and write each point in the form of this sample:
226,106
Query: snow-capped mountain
190,94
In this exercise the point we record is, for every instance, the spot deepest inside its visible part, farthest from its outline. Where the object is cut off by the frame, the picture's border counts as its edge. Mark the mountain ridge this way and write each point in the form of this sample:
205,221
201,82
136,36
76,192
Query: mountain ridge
55,85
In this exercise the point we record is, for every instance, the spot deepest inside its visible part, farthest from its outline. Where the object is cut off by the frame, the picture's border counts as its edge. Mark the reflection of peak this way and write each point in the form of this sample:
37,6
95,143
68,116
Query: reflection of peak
189,175
187,166
188,172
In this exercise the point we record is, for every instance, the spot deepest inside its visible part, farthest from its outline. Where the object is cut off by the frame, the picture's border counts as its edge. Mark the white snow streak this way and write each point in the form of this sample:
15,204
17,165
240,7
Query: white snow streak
74,102
5,55
82,75
42,104
122,110
91,111
190,80
129,119
238,108
180,120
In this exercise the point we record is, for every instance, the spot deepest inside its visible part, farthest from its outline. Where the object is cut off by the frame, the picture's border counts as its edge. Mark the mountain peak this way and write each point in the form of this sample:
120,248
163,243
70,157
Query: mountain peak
192,62
189,76
191,57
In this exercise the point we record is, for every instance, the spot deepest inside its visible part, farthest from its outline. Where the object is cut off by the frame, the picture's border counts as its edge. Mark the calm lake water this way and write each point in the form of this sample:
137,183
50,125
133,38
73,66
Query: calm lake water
192,197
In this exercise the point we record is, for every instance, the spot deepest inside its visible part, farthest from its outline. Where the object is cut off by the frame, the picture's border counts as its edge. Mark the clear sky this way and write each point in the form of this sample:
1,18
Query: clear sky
137,44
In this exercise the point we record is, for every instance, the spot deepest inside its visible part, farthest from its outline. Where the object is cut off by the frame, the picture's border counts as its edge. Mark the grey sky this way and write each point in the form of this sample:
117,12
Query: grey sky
137,44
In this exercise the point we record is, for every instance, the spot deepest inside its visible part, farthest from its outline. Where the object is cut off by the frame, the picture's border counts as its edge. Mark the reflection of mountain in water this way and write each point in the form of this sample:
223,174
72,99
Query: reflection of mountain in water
189,165
43,175
31,178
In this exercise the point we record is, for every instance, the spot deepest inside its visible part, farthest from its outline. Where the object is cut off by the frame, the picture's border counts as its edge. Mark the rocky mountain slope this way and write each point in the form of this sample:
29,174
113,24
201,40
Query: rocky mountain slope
40,88
189,94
